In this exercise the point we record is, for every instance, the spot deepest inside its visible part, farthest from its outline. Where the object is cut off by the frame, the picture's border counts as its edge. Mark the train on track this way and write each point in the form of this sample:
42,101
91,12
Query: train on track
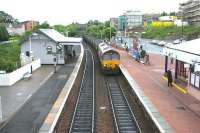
109,58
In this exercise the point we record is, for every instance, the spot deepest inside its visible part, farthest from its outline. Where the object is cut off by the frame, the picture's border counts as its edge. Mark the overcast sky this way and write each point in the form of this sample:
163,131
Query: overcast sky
68,11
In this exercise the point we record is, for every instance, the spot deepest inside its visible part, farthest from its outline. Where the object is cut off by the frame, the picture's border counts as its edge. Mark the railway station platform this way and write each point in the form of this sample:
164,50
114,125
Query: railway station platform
181,111
34,111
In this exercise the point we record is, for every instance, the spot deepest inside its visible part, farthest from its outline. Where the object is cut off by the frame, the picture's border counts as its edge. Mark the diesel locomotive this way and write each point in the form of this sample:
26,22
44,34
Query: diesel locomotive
109,58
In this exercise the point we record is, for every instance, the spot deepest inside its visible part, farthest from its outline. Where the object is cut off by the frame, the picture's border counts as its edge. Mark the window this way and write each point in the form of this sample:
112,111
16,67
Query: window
182,71
195,80
115,56
28,53
107,57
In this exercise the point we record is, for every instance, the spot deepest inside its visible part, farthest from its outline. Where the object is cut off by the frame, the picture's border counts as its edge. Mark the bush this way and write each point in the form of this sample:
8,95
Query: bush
9,57
173,32
4,36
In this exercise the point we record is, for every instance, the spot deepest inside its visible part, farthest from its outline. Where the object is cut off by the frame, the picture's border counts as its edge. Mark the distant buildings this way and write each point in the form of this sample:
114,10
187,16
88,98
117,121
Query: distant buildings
129,22
14,29
190,11
150,17
114,22
41,43
133,19
121,22
21,28
30,24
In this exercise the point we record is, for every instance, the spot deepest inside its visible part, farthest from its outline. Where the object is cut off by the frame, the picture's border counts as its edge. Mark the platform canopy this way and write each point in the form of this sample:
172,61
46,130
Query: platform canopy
59,38
188,52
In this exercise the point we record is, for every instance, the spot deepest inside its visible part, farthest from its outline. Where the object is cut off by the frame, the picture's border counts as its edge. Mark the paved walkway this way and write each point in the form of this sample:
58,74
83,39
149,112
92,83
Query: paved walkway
13,97
181,111
30,116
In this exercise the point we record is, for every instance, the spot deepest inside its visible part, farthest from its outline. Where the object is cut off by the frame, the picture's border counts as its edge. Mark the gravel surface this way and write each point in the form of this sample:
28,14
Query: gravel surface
104,120
143,120
103,115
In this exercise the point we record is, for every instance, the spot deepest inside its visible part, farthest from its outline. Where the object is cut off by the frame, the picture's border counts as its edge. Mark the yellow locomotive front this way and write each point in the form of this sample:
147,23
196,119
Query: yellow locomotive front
109,58
110,61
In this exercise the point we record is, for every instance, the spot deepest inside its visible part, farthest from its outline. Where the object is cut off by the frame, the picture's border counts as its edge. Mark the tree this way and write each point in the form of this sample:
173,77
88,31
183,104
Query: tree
60,28
107,32
6,18
71,29
164,13
4,36
172,13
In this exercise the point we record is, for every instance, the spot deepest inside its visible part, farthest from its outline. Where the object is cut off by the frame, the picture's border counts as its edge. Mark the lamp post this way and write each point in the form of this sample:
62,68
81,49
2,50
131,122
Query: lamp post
67,33
101,33
182,26
110,31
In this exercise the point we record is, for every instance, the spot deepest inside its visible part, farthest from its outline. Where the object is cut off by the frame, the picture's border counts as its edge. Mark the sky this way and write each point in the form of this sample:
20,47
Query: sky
68,11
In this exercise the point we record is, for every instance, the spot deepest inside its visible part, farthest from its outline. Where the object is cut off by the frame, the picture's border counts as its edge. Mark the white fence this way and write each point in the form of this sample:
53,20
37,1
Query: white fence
9,79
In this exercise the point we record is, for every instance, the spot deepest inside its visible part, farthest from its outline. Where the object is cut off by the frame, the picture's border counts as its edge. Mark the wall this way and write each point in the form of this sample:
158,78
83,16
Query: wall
38,46
20,30
9,79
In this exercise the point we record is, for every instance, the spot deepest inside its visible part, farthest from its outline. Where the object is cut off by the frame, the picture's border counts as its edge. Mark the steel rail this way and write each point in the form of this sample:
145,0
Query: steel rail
83,116
124,118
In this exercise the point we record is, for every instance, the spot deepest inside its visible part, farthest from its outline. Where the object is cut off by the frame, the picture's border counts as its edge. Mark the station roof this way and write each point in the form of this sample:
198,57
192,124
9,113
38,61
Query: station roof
192,47
188,52
58,37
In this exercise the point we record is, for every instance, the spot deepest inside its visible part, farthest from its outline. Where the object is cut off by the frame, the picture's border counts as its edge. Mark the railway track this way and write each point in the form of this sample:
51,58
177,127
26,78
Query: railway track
83,117
124,119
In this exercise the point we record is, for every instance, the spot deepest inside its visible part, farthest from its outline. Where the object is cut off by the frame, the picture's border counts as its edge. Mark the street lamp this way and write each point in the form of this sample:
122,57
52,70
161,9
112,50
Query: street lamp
110,31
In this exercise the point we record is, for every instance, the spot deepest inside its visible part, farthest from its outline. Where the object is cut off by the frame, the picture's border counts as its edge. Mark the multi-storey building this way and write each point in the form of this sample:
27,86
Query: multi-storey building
190,11
114,22
121,23
133,19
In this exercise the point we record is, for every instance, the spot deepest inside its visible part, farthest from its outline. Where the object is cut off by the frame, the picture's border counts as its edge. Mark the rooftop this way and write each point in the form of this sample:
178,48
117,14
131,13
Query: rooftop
192,46
58,37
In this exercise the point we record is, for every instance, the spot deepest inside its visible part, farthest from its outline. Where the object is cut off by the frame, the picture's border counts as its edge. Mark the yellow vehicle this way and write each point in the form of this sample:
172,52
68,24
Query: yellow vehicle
109,58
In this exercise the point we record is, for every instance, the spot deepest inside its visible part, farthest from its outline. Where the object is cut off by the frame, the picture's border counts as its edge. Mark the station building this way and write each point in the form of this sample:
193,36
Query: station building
50,47
186,65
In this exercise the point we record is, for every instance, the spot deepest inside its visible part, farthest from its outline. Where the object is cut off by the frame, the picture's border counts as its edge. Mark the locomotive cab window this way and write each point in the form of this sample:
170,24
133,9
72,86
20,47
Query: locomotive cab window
107,56
115,56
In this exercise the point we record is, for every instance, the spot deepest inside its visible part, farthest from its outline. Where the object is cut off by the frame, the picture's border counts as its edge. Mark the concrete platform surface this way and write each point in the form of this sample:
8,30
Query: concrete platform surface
29,118
181,111
13,97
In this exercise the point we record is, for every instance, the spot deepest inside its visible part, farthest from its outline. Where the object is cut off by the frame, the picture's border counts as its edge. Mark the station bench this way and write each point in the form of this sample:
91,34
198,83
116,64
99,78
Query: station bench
27,75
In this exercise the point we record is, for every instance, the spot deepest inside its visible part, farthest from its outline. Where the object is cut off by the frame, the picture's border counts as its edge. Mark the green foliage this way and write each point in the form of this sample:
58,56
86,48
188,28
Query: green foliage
100,30
15,37
9,57
174,32
4,36
44,25
164,14
172,14
6,18
60,28
72,31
